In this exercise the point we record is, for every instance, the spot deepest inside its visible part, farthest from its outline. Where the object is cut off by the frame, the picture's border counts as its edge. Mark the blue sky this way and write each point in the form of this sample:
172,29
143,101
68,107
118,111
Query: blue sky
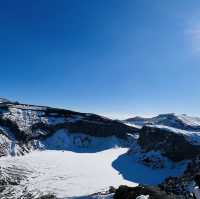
112,57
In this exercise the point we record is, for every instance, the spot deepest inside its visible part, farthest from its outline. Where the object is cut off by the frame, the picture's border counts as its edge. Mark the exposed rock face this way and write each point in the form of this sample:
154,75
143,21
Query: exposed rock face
175,146
21,124
182,184
124,192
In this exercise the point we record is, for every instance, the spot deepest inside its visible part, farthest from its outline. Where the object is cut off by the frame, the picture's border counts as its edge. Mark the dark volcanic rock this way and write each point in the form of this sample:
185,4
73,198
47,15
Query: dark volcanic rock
172,145
96,129
90,124
125,192
47,197
21,124
181,184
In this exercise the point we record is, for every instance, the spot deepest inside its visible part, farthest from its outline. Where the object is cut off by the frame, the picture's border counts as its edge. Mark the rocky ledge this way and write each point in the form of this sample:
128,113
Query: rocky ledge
22,124
175,144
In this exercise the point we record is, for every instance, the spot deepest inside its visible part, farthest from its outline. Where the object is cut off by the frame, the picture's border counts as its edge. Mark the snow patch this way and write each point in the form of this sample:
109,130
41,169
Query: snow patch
143,197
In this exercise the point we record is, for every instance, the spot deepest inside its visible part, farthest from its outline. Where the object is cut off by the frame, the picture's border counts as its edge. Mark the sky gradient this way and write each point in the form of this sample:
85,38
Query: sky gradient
111,57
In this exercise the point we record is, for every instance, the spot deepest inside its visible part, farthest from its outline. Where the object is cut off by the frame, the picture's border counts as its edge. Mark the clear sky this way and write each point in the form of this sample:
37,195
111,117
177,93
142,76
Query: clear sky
118,58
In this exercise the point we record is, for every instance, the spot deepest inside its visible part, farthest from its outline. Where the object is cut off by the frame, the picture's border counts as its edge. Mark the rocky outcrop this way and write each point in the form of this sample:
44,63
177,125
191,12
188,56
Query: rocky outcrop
21,124
92,128
125,192
182,184
90,124
173,145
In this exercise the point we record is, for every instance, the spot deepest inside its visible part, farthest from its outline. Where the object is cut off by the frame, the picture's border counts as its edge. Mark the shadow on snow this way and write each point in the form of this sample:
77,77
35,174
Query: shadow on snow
128,166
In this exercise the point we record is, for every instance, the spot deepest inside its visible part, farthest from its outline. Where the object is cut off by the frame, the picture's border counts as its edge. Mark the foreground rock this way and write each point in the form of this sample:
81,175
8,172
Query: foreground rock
144,192
182,184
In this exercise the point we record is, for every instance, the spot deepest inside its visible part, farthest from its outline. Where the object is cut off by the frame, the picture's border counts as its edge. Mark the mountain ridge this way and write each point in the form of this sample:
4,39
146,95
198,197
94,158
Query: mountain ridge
157,147
180,121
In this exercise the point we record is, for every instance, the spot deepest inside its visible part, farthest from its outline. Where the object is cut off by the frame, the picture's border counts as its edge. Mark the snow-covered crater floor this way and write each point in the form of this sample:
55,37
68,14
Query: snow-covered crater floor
66,173
78,165
71,174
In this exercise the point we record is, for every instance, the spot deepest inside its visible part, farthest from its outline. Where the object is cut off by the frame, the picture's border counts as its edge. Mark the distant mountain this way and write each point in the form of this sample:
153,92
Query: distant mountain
162,132
3,100
176,137
183,121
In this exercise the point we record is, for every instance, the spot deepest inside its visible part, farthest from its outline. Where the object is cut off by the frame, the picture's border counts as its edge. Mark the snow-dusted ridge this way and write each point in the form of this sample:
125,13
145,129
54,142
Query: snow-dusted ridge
22,124
70,154
182,121
191,136
3,100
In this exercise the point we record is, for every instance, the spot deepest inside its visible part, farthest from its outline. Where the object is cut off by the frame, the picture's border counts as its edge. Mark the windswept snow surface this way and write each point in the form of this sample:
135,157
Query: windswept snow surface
188,120
67,174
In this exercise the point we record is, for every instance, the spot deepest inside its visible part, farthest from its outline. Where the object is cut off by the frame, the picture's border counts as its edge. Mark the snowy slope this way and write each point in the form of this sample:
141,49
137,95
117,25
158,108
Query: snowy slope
188,120
166,130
